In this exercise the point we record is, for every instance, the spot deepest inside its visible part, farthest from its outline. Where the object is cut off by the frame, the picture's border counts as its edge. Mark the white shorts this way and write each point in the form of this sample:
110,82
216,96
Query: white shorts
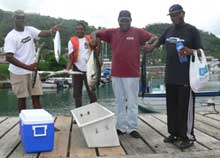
22,85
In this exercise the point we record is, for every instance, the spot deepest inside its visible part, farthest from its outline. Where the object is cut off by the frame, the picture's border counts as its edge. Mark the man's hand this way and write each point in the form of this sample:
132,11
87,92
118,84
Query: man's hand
148,47
55,28
185,51
32,67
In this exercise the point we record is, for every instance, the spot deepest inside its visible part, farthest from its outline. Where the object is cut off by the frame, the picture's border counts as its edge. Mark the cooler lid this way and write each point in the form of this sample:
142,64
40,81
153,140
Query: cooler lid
35,116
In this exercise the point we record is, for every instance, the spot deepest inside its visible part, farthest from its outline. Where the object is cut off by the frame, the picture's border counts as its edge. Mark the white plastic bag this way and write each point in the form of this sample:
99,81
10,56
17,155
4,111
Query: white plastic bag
198,71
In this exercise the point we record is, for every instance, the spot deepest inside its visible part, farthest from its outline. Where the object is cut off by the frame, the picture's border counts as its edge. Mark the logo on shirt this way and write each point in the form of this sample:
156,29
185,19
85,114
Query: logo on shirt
26,39
129,38
86,45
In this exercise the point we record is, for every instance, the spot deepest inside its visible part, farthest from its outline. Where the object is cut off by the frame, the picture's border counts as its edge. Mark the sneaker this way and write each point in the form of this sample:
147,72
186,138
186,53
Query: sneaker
185,144
135,134
170,139
120,132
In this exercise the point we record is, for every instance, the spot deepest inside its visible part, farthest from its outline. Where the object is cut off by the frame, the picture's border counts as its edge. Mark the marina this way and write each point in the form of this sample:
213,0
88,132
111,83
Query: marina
65,127
69,141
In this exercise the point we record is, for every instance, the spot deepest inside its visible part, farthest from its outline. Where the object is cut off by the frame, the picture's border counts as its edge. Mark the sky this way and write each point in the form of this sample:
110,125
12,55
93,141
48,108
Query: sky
204,14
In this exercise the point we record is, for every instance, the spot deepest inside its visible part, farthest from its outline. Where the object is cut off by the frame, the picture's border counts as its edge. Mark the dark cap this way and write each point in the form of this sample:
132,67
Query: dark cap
18,13
124,14
176,8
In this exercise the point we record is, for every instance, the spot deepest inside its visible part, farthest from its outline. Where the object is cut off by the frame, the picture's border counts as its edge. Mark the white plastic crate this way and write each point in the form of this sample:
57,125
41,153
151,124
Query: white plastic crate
97,124
37,130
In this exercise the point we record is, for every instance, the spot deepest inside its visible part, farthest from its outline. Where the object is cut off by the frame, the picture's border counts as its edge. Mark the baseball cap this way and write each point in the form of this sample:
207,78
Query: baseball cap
18,13
124,14
176,8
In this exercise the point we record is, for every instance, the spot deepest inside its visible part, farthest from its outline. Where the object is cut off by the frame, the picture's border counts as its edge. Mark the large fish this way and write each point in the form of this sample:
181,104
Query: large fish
37,60
57,46
47,74
93,70
63,72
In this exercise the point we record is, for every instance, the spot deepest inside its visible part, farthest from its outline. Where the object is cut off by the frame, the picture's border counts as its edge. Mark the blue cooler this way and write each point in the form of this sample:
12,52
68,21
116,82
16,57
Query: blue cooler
37,130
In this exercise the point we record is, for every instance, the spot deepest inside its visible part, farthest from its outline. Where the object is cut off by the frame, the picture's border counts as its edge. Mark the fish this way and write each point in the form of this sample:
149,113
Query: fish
47,74
37,60
93,72
57,46
62,72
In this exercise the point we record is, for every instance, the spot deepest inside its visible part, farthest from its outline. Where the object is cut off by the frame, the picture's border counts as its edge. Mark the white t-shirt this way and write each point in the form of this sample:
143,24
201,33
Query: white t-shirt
21,44
83,53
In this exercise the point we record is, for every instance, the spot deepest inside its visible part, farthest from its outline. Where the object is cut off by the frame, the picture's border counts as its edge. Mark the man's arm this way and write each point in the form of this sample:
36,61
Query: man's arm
151,44
11,59
69,63
93,41
46,33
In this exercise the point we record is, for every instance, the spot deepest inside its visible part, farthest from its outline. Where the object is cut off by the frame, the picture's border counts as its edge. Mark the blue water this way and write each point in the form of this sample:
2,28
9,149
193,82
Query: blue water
61,102
56,102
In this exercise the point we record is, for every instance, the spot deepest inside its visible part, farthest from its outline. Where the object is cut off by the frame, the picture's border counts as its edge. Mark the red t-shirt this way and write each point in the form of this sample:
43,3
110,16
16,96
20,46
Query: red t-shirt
125,49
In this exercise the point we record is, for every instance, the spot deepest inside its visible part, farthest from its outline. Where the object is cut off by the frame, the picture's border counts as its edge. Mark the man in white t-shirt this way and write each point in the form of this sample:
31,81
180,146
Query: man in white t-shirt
78,52
20,48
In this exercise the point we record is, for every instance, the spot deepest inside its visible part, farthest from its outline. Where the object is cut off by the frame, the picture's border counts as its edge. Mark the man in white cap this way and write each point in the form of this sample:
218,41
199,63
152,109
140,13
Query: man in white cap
20,48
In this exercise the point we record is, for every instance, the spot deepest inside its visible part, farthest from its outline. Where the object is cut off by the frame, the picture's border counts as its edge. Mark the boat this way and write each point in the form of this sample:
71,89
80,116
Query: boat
198,94
155,100
57,83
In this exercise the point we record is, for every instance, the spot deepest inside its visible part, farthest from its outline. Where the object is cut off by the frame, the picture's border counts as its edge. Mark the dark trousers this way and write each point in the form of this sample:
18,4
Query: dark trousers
180,101
78,86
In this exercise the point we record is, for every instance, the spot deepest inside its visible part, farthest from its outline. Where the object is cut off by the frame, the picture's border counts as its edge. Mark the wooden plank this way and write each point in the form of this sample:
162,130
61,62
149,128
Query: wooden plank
207,120
7,125
209,130
162,129
9,142
61,141
153,137
111,151
200,154
134,146
213,116
204,139
207,140
19,152
78,146
2,119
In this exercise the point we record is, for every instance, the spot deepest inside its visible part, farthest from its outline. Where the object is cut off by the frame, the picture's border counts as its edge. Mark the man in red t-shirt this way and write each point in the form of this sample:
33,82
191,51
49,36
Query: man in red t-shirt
126,42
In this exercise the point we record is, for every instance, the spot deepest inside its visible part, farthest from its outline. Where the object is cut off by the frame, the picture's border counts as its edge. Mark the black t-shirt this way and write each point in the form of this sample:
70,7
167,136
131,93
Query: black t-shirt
178,73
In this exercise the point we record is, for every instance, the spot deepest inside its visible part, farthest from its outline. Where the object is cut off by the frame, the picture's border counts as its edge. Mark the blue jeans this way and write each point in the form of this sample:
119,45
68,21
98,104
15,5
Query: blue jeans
126,95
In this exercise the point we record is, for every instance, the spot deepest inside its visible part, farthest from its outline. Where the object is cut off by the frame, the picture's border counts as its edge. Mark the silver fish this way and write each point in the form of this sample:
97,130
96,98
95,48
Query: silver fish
47,74
61,72
57,46
93,71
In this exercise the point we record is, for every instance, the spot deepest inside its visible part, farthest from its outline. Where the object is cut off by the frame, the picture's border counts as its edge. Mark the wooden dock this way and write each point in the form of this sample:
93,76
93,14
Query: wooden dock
69,141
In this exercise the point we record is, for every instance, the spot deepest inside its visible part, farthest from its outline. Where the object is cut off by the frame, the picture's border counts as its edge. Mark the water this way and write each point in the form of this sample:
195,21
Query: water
61,102
56,102
158,104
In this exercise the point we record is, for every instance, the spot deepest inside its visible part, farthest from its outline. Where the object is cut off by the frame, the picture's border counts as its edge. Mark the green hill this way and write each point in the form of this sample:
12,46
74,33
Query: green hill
43,23
210,41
